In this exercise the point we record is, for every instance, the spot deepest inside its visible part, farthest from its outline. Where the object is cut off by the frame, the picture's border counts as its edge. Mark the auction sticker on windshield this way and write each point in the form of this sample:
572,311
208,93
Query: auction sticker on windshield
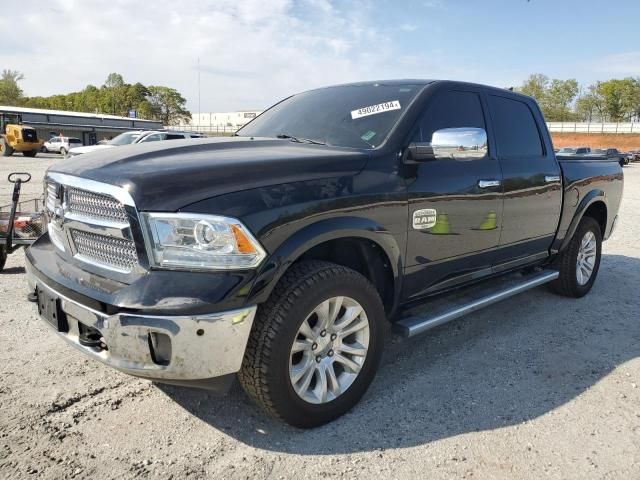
374,109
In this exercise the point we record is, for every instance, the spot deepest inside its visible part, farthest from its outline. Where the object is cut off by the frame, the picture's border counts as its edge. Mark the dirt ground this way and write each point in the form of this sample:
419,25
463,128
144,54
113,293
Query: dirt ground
623,143
538,386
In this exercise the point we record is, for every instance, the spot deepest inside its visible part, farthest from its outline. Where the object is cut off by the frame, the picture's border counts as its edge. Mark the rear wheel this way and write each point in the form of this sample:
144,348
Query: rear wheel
5,148
580,262
315,345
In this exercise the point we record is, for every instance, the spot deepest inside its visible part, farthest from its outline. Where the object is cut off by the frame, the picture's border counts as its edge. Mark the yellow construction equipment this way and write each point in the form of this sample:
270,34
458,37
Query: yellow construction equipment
16,137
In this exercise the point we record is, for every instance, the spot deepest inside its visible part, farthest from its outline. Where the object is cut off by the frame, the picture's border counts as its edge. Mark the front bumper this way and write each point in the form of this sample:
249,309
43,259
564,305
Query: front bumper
191,349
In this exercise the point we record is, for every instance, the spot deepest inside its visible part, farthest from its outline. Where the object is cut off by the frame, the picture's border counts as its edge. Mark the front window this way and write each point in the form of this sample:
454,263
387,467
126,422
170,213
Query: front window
356,116
124,139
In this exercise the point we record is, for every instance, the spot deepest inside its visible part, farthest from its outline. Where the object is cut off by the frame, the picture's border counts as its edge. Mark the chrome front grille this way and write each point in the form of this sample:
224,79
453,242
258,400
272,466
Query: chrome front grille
50,196
110,252
95,205
89,222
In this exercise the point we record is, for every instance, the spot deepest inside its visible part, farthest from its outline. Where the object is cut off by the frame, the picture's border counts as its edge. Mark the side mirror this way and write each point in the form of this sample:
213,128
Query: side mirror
454,143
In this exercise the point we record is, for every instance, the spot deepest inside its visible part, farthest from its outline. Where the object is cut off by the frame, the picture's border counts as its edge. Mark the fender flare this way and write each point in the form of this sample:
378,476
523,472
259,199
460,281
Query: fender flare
589,199
322,231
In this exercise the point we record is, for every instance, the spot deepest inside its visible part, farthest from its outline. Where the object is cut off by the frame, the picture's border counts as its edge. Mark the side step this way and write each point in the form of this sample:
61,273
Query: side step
440,312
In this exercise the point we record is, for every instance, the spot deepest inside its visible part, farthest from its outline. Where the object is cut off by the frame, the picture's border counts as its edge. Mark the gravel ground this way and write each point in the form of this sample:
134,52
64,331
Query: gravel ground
538,386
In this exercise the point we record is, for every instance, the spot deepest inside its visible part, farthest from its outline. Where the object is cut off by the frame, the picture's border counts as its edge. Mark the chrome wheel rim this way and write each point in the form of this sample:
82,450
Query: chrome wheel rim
329,350
586,258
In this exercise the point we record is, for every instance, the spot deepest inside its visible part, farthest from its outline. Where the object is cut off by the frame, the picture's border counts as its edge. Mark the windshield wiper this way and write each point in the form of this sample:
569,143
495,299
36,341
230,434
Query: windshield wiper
300,140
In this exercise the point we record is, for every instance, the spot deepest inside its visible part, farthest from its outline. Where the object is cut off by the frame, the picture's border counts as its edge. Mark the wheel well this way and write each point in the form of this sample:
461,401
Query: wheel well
363,256
598,211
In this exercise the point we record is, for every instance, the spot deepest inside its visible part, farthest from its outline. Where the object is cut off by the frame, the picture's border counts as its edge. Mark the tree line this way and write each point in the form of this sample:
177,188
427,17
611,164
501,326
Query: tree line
114,97
615,100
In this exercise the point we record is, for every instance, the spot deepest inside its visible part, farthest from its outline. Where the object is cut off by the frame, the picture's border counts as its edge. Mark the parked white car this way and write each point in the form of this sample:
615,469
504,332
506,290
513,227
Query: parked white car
156,136
61,144
137,136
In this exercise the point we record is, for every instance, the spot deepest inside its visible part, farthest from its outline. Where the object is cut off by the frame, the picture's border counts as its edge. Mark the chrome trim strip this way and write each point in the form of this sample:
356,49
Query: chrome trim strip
119,193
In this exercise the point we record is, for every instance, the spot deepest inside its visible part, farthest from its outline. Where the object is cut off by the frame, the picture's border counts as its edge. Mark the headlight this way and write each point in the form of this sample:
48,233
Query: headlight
189,240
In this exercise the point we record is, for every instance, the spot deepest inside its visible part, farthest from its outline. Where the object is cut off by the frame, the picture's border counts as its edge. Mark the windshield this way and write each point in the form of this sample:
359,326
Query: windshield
358,116
124,138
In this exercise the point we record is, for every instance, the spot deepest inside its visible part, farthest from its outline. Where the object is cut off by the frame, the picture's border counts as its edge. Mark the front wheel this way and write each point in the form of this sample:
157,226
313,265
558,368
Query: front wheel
5,148
63,152
580,261
30,153
315,345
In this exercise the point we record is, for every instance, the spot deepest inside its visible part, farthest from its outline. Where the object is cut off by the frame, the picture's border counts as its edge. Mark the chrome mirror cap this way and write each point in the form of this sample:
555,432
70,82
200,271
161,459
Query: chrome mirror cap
465,143
459,143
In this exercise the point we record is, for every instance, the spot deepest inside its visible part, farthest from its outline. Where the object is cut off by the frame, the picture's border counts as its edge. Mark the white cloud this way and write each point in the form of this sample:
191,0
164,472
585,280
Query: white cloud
619,64
408,27
252,52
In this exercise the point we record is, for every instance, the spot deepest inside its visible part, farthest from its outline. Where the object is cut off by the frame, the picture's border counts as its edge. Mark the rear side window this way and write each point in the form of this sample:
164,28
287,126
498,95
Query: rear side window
515,128
450,110
74,140
173,136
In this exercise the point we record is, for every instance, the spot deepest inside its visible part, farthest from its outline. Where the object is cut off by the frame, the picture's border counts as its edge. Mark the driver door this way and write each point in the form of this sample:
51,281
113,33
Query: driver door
463,196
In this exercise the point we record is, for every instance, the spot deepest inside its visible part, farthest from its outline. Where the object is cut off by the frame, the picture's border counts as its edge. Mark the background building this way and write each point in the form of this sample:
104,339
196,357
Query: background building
220,122
88,127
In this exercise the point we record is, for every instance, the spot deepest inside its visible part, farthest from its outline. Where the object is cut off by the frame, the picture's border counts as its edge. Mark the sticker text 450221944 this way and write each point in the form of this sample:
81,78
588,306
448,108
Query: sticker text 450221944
374,109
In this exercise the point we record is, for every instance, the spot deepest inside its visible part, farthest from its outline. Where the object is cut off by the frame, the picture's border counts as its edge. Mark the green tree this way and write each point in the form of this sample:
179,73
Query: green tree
559,98
613,98
10,91
168,105
535,86
586,107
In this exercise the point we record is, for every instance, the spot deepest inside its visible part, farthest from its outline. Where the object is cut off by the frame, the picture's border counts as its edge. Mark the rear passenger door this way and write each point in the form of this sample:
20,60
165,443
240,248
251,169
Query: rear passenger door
532,184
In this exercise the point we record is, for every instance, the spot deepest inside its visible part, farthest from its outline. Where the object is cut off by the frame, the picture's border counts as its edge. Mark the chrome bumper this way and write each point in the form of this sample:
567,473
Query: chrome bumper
178,348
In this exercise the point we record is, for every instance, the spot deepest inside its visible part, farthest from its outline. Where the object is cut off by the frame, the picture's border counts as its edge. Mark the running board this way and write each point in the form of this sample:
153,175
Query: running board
416,324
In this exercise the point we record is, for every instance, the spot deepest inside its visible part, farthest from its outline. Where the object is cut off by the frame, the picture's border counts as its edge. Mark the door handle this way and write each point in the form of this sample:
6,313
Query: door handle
551,178
489,183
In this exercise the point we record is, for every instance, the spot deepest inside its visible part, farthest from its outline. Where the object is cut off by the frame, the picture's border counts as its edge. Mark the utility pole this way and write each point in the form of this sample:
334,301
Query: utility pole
199,116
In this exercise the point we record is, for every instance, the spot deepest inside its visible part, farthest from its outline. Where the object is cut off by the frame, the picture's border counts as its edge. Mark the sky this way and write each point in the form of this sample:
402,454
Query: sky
254,52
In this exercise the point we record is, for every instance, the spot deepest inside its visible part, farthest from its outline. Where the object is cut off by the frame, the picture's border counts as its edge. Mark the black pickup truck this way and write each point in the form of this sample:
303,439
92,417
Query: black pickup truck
277,255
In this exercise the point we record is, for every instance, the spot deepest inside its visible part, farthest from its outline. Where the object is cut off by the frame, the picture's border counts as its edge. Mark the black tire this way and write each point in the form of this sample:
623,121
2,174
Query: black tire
43,149
3,256
5,149
30,153
265,369
567,284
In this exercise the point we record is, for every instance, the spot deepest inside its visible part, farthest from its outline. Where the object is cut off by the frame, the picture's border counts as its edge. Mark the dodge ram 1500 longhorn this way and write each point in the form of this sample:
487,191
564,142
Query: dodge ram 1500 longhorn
278,254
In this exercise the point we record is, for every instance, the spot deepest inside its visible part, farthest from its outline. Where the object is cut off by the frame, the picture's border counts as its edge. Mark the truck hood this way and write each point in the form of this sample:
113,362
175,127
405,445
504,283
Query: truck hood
170,175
